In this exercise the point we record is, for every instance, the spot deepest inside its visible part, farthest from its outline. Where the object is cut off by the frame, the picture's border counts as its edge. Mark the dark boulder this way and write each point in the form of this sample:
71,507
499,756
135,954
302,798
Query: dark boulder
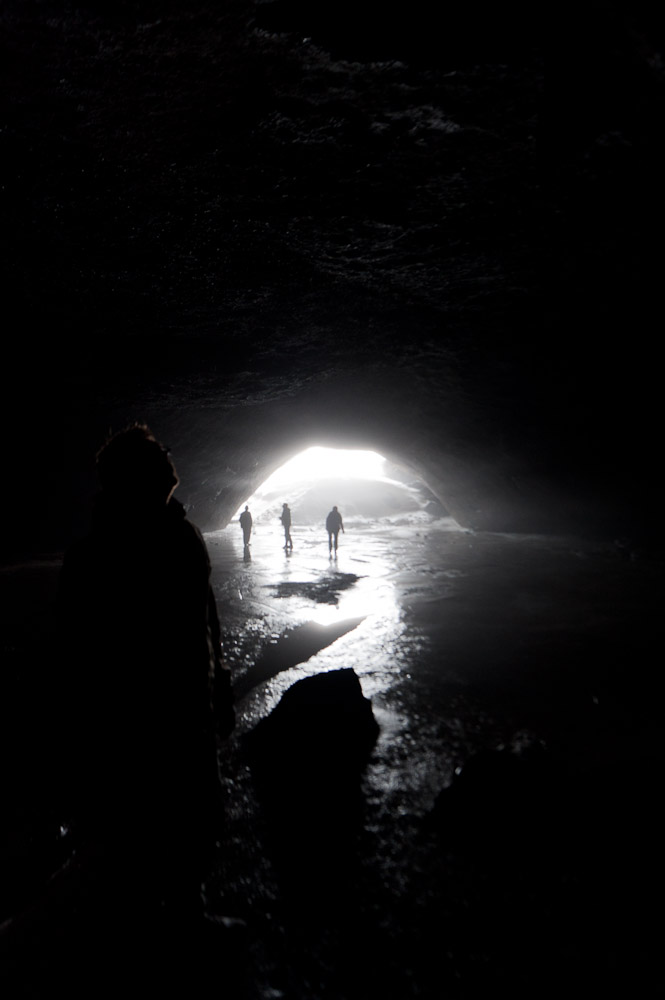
323,725
306,759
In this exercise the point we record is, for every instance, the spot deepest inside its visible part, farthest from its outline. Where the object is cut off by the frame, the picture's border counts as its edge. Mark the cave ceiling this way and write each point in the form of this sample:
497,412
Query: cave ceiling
250,226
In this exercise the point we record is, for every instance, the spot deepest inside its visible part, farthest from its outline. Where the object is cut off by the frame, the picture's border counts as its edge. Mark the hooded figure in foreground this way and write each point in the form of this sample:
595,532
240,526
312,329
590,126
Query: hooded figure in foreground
144,688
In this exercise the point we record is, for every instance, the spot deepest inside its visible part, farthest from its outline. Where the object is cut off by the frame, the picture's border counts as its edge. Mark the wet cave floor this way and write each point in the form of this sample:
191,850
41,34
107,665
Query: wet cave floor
464,643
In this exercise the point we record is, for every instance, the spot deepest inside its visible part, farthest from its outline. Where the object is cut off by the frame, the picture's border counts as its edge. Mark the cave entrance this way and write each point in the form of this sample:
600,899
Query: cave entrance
366,487
383,508
283,605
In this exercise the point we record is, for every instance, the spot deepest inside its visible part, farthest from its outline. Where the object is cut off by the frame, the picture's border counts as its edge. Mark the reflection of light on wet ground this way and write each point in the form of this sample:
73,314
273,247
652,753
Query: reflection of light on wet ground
381,572
261,599
305,584
444,614
373,595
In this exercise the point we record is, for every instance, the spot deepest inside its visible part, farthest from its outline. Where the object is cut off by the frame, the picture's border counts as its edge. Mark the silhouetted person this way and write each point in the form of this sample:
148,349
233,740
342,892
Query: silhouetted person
246,525
286,522
333,526
144,686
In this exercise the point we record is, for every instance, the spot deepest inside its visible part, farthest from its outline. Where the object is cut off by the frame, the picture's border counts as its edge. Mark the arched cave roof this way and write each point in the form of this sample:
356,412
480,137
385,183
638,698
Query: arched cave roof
258,239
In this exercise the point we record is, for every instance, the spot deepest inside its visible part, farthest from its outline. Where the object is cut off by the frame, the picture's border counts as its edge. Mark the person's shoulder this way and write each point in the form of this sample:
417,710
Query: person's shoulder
181,522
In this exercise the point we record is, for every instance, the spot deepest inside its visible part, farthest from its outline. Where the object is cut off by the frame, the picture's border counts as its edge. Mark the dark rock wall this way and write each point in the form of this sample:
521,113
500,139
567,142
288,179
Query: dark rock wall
444,441
259,227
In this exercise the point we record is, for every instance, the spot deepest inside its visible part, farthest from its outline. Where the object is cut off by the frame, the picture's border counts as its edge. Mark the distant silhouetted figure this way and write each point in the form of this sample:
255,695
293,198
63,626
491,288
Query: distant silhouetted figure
144,688
286,521
246,525
333,526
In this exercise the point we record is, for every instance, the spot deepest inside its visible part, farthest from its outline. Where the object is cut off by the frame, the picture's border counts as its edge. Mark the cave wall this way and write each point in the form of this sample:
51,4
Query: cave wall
224,453
460,444
258,236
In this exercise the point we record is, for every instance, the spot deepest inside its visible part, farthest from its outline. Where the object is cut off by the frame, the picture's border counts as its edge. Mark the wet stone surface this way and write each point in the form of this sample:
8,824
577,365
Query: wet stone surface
464,643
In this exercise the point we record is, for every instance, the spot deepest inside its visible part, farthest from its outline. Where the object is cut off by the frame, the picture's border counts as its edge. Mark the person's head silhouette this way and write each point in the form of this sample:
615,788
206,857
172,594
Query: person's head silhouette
134,462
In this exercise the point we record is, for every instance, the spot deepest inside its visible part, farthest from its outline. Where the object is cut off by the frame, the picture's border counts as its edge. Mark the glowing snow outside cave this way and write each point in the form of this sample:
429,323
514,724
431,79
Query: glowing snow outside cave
326,463
373,596
311,466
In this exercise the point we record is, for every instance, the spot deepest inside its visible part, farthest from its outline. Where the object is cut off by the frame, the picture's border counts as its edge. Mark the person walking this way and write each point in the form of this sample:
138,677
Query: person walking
286,522
334,525
246,525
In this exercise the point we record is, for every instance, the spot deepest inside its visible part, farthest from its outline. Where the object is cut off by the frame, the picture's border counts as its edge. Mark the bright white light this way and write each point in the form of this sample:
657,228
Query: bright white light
313,466
327,463
359,481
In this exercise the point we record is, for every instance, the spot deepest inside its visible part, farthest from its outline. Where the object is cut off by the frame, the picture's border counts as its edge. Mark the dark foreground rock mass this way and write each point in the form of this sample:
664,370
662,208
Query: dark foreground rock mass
322,722
558,857
307,759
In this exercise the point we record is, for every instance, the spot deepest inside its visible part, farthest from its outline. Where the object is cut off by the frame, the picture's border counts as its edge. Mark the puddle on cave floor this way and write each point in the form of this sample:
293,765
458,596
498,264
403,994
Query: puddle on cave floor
366,592
356,608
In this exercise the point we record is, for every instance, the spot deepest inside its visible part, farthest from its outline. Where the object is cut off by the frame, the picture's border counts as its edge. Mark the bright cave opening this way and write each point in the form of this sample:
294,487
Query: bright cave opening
367,488
384,510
